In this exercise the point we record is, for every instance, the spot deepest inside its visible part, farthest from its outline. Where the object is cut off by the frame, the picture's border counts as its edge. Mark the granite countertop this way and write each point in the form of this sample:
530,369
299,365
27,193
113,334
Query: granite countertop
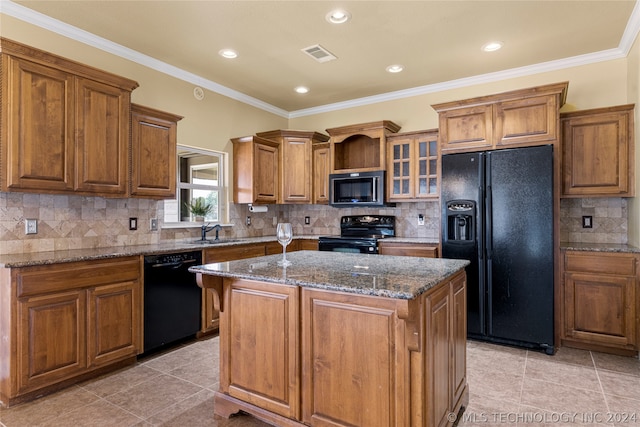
87,254
599,247
378,275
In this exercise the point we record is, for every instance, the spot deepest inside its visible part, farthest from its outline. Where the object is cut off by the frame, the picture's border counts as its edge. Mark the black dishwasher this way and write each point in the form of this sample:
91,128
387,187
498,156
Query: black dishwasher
172,299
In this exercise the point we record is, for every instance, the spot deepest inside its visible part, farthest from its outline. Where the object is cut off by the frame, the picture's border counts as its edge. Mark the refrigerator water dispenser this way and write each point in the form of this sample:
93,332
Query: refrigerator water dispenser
460,221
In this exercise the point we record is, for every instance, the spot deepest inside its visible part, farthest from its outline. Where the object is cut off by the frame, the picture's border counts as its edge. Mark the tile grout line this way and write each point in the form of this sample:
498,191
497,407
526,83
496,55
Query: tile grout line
604,396
99,398
524,372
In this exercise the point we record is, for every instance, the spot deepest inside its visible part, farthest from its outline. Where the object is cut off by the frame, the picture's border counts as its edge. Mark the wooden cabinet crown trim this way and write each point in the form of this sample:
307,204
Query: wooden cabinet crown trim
32,54
400,135
355,129
602,110
555,88
316,137
158,114
256,139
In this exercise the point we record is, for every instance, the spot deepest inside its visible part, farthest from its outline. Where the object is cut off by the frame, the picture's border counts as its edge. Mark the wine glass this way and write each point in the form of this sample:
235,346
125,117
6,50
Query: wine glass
284,234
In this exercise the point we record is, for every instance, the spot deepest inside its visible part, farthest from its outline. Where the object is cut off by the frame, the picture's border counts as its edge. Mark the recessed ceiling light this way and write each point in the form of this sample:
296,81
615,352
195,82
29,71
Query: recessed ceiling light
396,68
302,89
338,16
228,53
492,46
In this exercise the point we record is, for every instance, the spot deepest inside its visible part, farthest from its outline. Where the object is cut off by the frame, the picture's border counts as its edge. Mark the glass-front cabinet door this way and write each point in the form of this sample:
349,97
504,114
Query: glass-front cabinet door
400,169
412,167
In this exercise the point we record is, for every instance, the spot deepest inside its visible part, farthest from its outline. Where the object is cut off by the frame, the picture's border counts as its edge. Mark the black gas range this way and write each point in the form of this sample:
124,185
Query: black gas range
359,234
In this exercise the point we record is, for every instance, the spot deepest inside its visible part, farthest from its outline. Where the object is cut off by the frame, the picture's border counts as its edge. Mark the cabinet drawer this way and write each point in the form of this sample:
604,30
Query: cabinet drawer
408,249
75,275
231,253
271,248
603,263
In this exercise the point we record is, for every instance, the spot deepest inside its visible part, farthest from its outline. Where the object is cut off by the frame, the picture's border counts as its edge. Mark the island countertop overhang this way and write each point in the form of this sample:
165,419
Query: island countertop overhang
387,276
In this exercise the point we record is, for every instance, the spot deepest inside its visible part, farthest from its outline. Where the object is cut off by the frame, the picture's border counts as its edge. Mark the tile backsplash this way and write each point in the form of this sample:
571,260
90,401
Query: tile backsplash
77,222
73,222
325,220
609,220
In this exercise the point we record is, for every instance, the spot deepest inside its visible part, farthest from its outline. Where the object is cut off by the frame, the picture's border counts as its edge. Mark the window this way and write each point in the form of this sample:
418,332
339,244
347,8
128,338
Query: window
201,174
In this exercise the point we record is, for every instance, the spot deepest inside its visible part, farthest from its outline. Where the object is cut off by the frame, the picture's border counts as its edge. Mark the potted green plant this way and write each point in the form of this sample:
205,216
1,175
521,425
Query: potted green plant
199,208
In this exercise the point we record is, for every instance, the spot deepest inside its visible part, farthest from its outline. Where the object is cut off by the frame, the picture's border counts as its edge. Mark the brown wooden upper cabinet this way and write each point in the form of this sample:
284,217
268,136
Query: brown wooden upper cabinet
321,171
412,166
597,152
255,170
519,118
153,152
65,126
360,147
296,171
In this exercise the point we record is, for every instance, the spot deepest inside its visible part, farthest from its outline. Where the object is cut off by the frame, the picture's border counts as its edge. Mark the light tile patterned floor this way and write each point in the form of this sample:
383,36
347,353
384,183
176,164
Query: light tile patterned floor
508,387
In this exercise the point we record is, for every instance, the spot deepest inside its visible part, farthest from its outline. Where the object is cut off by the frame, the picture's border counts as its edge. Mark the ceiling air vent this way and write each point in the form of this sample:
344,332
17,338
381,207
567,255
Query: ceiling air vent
319,53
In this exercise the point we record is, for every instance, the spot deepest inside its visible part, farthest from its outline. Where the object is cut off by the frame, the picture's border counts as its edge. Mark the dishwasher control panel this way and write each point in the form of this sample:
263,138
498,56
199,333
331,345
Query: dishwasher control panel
174,258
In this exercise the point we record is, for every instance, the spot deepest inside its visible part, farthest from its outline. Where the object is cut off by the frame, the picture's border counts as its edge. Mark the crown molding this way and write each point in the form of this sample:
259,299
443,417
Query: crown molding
631,30
25,14
574,61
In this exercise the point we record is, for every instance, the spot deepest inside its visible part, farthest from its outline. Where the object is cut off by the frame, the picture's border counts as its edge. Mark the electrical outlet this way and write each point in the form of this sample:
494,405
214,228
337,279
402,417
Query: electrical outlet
248,220
420,219
31,226
275,221
153,224
587,221
133,223
307,220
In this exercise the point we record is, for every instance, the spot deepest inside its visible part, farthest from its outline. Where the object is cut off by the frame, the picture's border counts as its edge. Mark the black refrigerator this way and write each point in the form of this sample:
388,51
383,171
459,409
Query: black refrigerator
497,212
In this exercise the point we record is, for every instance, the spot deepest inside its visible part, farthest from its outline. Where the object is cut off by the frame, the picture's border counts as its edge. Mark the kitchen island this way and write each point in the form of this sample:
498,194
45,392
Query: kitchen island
341,339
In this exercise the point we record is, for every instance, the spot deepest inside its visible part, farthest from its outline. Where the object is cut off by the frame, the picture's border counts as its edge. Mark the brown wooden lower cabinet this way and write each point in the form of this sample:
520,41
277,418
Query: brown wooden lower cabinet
407,249
273,248
51,339
210,316
66,320
601,301
308,244
261,335
297,356
113,312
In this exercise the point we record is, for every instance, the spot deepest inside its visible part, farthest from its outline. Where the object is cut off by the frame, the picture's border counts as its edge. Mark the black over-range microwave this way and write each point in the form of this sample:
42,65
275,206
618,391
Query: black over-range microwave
357,189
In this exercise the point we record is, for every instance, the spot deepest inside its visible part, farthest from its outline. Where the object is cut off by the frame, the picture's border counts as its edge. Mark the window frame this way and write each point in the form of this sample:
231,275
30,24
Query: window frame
222,188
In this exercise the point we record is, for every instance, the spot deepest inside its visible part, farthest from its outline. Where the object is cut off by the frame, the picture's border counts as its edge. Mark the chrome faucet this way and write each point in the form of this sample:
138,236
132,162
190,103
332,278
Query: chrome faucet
207,228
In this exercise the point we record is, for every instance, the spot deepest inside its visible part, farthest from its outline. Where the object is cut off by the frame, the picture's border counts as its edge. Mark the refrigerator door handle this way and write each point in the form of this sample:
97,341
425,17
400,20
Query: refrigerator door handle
482,258
489,287
489,224
488,213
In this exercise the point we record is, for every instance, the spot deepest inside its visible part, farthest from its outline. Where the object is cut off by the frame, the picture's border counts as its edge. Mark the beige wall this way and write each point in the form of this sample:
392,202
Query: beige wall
590,86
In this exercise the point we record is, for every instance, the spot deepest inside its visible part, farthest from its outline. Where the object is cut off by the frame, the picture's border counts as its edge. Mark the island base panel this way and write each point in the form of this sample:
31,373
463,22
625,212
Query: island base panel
227,406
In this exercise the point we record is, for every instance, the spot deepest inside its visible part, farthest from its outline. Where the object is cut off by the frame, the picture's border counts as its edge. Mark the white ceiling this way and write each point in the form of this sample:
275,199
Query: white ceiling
438,42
